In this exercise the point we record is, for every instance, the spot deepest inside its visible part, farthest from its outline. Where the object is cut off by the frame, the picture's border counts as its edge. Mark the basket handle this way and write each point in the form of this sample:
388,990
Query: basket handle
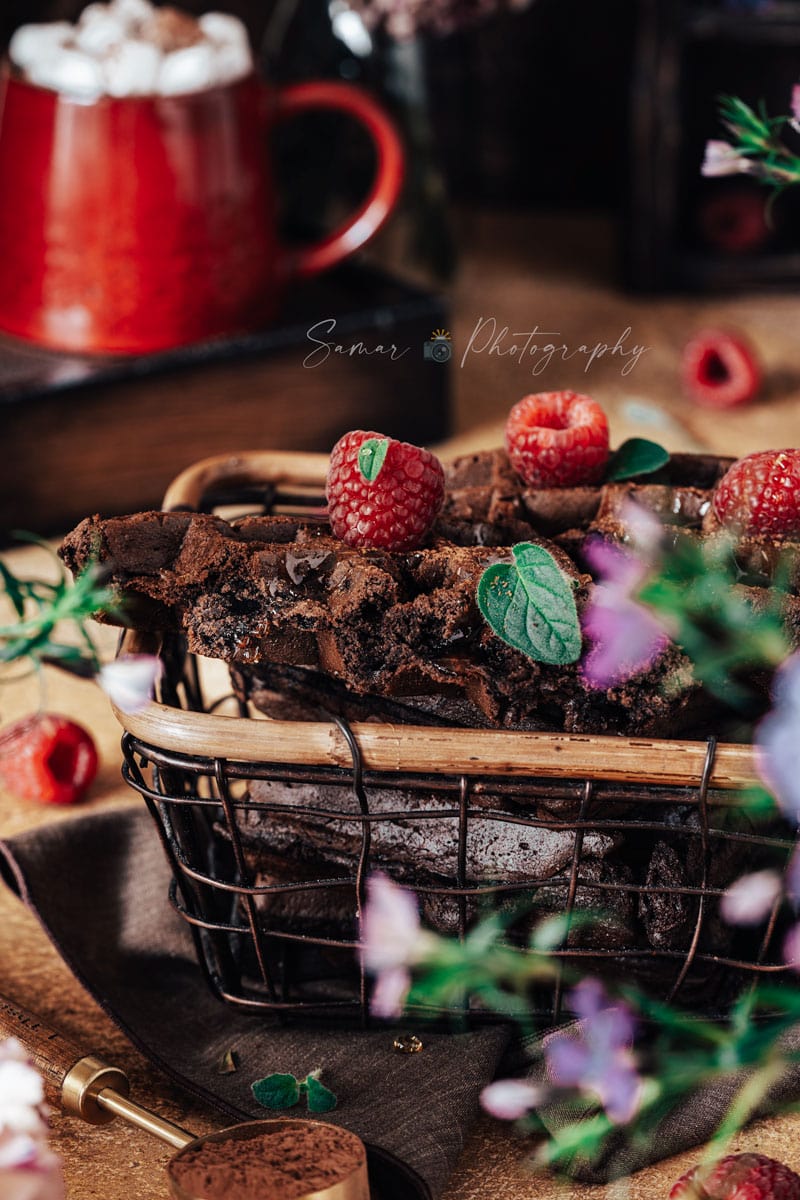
256,466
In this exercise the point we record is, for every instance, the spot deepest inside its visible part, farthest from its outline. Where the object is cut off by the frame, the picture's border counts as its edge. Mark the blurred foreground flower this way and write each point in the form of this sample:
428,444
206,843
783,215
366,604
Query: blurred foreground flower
510,1099
795,121
777,741
671,587
392,942
791,948
597,1058
626,636
749,900
29,1170
129,682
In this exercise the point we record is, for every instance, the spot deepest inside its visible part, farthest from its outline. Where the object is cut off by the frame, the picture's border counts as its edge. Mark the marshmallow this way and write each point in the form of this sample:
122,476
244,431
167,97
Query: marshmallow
232,62
132,13
33,42
98,33
92,12
69,71
229,37
224,29
188,70
132,68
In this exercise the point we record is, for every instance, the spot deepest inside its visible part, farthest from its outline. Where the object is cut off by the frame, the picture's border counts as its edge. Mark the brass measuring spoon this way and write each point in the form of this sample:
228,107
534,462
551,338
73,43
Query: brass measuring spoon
86,1087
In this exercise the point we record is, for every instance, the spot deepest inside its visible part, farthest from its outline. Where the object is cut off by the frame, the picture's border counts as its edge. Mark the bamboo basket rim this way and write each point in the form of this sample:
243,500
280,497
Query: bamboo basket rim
406,748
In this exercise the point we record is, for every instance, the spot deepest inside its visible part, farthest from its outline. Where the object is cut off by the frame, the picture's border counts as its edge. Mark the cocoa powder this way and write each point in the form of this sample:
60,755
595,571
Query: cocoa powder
283,1164
170,29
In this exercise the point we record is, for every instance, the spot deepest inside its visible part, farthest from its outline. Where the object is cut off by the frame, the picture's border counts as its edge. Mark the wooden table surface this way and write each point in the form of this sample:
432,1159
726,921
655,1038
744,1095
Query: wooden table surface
513,273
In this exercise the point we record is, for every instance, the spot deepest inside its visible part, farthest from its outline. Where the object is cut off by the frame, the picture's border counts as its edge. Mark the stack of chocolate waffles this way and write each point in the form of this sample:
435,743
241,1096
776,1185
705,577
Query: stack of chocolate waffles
309,625
304,620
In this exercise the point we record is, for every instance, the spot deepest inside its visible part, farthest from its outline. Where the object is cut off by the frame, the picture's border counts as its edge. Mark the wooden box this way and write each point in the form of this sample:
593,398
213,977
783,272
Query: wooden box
681,230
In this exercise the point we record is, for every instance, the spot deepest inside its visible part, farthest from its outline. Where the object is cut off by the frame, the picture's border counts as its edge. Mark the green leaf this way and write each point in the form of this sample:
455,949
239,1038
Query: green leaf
530,605
372,456
277,1091
13,589
636,456
320,1098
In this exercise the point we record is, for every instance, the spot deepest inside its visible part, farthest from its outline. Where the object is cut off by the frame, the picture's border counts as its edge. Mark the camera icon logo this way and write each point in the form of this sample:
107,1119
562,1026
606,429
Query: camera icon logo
438,348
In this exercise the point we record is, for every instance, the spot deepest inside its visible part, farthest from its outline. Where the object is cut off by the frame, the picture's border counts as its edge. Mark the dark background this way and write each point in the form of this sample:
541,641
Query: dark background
527,109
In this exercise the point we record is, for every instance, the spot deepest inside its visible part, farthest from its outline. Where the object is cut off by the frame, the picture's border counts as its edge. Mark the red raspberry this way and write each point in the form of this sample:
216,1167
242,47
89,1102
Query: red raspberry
760,494
47,758
392,509
557,439
740,1177
720,370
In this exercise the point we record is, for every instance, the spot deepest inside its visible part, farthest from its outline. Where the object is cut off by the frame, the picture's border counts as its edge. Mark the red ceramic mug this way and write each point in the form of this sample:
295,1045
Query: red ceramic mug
138,224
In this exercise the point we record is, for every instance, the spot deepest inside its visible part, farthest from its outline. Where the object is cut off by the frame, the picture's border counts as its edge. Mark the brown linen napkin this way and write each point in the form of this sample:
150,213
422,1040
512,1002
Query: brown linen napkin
99,883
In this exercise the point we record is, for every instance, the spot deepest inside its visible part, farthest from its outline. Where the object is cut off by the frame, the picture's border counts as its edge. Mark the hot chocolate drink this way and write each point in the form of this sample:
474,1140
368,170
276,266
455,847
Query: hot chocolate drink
131,48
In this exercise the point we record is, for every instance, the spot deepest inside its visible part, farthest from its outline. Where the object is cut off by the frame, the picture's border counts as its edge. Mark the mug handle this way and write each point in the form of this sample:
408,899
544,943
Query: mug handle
366,220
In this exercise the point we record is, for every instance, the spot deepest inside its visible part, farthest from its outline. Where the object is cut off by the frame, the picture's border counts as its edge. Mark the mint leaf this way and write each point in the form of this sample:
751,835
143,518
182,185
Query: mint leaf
371,457
277,1091
636,456
531,605
320,1099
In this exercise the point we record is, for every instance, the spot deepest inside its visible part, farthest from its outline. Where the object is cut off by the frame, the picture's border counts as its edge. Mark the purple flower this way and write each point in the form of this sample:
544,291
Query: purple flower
795,120
791,948
597,1058
792,879
392,941
749,900
723,159
129,681
510,1099
627,636
778,744
389,993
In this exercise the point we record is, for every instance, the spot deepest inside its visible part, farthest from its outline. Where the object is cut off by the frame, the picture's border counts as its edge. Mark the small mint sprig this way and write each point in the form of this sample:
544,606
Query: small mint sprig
635,457
530,605
284,1091
371,457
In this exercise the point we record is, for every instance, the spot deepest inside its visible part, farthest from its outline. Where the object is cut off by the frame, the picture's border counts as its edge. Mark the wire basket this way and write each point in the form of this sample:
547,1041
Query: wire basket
272,827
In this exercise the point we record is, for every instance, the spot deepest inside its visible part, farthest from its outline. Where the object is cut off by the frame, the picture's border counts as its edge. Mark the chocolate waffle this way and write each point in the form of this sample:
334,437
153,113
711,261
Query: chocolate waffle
308,623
